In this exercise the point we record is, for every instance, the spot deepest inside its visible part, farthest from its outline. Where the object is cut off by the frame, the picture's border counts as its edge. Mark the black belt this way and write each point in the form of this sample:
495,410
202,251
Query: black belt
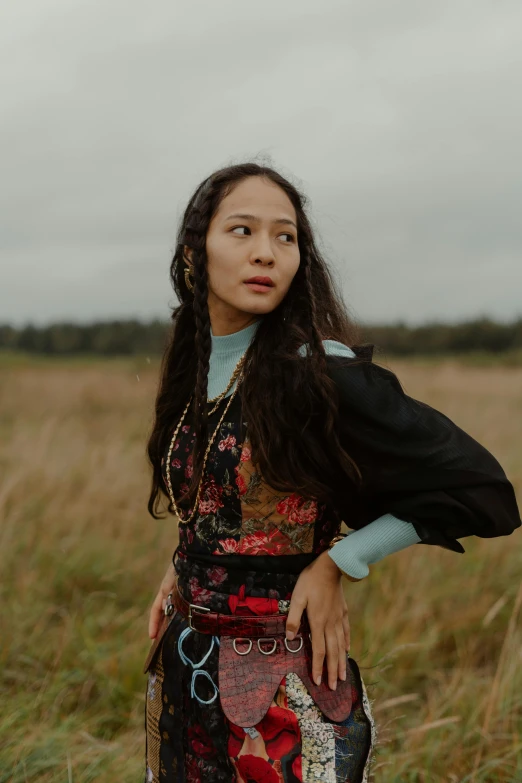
267,564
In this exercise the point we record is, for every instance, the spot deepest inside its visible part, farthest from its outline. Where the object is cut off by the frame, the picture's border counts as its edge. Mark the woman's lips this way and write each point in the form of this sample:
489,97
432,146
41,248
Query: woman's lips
259,287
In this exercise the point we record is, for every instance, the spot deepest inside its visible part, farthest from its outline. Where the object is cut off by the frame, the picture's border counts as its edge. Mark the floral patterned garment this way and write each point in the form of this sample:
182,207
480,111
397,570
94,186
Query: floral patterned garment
238,512
189,740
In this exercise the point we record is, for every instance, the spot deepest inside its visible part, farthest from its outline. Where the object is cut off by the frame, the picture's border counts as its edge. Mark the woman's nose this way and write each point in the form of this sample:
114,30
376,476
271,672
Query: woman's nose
262,251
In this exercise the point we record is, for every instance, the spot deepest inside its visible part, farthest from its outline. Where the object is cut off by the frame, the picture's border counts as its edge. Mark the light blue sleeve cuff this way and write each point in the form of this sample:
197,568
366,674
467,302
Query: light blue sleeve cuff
371,543
332,348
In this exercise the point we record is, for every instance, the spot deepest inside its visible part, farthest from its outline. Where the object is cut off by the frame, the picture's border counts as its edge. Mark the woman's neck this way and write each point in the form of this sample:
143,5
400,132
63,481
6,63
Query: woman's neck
226,351
235,341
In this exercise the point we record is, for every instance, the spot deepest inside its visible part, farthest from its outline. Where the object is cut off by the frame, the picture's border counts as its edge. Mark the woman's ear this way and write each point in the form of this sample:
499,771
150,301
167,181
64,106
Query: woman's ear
187,255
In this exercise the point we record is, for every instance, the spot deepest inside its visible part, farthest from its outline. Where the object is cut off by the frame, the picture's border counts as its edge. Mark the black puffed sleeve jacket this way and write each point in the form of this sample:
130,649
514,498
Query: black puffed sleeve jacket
415,462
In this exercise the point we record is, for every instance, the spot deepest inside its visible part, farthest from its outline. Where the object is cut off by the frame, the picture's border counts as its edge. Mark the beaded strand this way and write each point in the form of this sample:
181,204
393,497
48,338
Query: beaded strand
238,373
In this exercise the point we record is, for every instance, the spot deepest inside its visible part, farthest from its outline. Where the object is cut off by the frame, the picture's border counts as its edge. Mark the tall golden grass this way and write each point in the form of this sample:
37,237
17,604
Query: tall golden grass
437,634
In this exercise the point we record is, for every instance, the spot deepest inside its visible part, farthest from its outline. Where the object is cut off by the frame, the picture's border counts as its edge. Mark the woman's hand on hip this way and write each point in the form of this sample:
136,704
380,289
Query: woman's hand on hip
158,606
319,590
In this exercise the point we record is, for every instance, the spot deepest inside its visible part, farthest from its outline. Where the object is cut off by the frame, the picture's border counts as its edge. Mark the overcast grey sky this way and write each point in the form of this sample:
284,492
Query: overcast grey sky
400,119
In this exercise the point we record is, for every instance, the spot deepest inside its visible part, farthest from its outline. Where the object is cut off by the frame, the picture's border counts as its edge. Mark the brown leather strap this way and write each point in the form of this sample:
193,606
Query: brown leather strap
251,626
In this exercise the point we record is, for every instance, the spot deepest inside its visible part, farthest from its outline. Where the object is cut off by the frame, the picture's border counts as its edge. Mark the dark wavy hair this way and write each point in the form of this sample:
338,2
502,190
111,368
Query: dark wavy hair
289,400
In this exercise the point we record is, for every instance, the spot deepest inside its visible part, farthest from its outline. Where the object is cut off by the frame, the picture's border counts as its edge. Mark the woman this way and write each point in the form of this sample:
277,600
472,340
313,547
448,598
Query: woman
270,430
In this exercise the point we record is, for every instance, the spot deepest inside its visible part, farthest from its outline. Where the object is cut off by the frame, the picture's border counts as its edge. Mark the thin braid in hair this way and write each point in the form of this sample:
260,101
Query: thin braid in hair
317,344
197,225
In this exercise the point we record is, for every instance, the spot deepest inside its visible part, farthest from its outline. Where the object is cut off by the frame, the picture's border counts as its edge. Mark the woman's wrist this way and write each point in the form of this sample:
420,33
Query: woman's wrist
328,552
329,565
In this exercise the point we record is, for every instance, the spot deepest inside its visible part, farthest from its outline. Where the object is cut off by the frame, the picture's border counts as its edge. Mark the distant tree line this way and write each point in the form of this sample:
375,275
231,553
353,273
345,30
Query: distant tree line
481,334
113,338
110,338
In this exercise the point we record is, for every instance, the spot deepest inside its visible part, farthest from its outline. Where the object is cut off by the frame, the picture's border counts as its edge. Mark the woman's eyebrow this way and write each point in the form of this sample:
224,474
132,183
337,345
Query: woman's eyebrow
256,219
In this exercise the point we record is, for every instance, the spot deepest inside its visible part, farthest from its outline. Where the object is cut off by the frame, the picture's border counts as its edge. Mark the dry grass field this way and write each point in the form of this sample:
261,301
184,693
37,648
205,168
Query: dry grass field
437,635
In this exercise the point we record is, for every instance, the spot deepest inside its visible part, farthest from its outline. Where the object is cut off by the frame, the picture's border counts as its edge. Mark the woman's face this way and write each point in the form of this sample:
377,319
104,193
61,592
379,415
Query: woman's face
252,234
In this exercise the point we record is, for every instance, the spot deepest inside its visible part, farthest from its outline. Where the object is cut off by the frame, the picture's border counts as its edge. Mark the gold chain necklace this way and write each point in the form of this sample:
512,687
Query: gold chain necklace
237,370
238,373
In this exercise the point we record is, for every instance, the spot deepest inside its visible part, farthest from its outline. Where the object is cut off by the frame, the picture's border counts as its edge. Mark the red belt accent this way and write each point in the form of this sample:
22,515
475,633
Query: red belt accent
203,620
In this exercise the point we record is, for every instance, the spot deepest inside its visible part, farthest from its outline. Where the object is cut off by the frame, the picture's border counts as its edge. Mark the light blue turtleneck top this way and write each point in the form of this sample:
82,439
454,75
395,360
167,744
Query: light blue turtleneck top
360,548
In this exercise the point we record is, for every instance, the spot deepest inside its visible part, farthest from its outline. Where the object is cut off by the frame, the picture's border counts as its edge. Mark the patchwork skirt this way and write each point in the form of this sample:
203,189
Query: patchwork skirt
190,740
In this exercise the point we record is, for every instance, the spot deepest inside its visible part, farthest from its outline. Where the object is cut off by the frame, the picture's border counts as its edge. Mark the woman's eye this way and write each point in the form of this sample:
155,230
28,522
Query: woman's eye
283,235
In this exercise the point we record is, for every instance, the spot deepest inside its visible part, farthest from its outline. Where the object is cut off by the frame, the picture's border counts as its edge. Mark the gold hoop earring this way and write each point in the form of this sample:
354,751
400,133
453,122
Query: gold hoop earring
188,283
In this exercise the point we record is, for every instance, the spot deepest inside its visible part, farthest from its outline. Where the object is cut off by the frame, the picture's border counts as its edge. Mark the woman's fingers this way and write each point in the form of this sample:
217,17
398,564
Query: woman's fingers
342,651
293,620
332,655
155,615
159,603
319,590
346,629
318,653
328,641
